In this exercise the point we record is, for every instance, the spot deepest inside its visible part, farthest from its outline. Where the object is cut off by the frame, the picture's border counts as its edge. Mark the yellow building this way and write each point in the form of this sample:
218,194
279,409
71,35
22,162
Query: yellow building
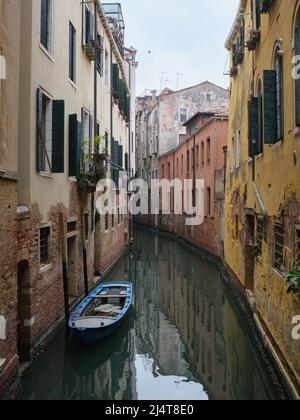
263,173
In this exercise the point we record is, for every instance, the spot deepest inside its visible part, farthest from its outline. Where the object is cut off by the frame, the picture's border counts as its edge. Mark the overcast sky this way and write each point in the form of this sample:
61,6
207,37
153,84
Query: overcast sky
185,37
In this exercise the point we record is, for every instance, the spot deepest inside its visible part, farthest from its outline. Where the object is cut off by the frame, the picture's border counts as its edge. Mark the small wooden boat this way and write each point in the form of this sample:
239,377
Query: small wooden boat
102,311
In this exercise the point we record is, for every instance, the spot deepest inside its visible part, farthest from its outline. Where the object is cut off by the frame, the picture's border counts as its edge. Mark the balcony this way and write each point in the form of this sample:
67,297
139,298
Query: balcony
266,6
253,40
115,18
93,170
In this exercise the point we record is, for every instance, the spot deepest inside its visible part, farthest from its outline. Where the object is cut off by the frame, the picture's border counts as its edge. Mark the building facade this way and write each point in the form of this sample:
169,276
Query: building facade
263,189
163,124
9,95
74,106
200,157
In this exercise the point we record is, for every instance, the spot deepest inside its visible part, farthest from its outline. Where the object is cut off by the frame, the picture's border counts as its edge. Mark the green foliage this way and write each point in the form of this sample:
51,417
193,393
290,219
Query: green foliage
293,278
293,282
84,184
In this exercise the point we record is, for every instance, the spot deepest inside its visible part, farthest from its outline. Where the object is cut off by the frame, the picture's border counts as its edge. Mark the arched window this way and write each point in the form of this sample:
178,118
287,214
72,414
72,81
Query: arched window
297,53
278,66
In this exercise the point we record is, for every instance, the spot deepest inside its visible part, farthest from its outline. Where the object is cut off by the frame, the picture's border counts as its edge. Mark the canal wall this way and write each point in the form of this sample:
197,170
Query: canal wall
274,359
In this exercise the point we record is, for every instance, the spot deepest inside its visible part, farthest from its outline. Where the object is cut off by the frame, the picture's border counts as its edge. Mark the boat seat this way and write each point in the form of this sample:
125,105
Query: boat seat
108,309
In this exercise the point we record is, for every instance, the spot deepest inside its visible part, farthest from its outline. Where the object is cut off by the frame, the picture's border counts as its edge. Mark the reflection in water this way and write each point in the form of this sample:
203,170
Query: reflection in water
185,339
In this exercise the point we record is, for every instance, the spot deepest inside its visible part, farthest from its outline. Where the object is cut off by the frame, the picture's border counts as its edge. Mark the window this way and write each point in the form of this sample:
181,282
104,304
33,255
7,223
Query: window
169,171
208,150
72,53
87,139
232,155
46,25
99,57
45,241
208,97
183,115
279,244
119,219
182,164
163,171
198,156
208,202
188,160
50,134
106,68
259,235
260,142
202,154
112,220
106,220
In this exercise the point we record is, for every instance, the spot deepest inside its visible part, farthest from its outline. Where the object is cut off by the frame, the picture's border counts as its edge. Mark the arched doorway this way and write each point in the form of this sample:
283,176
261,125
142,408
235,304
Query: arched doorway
23,310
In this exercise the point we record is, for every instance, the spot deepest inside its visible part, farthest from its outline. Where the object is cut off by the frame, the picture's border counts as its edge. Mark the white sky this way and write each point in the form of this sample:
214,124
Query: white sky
187,37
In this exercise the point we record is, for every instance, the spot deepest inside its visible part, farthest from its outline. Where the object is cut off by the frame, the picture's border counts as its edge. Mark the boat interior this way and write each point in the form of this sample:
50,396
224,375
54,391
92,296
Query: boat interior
108,304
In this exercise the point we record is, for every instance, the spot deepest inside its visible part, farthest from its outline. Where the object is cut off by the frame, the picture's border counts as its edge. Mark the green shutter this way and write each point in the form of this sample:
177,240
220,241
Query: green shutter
253,112
270,107
126,162
74,146
115,78
58,137
120,157
297,81
44,23
39,141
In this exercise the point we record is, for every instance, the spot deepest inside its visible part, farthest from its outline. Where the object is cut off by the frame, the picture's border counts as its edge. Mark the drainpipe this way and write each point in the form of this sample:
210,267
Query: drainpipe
95,73
194,172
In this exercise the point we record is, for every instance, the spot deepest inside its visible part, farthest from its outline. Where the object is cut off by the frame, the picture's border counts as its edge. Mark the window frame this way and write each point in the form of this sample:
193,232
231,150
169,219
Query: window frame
49,47
72,53
47,263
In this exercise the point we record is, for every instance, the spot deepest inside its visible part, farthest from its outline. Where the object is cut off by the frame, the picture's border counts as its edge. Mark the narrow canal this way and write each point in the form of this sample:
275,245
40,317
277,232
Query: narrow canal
186,338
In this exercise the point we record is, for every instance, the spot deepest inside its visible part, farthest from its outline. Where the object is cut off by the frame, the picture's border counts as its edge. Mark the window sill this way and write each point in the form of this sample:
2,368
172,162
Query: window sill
46,52
73,84
46,175
259,156
277,145
296,131
72,179
45,268
278,273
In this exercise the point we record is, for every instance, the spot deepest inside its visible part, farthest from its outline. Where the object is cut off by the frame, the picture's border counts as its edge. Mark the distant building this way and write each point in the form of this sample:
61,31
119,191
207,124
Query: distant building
163,124
201,156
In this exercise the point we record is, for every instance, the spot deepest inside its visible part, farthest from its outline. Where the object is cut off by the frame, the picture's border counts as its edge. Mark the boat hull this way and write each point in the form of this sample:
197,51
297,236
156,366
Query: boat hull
92,336
90,329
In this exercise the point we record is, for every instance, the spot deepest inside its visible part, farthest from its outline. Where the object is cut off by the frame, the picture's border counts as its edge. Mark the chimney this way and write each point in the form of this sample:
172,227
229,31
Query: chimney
154,95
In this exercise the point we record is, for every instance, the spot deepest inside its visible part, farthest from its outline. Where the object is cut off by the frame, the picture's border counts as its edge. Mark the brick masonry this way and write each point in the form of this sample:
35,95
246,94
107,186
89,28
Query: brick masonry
32,297
8,276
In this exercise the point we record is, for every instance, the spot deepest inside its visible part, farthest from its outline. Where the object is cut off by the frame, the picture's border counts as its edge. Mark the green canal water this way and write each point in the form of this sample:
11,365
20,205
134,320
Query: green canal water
187,337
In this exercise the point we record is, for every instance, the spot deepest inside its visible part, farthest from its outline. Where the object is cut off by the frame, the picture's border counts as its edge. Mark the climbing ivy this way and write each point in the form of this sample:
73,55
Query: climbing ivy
293,277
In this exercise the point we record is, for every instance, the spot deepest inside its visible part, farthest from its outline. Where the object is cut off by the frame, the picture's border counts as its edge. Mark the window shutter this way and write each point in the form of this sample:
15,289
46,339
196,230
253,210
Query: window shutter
297,81
270,107
58,137
116,163
74,146
126,162
39,140
253,112
91,128
116,82
120,156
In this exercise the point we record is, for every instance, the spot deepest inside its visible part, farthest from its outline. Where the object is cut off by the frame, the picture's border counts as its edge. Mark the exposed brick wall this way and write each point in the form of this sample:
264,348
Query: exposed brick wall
8,276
